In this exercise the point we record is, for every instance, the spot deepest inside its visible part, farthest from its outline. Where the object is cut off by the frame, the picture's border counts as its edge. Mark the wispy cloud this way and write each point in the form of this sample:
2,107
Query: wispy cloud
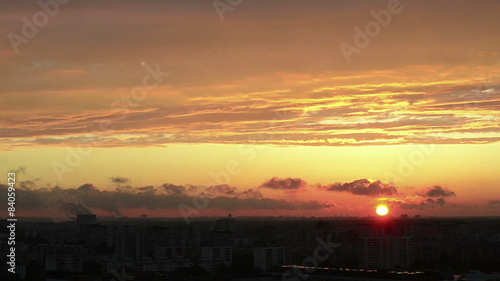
229,87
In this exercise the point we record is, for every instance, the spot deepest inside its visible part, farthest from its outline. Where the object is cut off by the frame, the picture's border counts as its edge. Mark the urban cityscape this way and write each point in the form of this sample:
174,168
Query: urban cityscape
250,140
252,248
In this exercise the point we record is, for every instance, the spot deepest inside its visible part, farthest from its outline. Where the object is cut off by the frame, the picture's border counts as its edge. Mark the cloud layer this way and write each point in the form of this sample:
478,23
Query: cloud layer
69,202
64,204
283,81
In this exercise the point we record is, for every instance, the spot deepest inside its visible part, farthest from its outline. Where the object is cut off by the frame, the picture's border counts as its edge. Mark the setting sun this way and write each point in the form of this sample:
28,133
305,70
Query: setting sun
382,210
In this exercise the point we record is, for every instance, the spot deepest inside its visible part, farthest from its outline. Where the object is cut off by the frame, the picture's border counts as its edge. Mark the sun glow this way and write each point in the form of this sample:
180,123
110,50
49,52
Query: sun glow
382,210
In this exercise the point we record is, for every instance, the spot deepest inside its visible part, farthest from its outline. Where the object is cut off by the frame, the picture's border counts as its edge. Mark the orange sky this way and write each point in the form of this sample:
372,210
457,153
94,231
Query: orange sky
259,110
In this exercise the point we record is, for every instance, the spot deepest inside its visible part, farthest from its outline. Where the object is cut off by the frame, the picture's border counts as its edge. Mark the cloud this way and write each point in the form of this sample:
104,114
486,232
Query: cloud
329,99
119,180
173,189
87,187
375,114
20,170
494,202
223,190
60,204
364,187
436,191
219,190
328,204
284,184
67,203
87,199
251,193
73,207
419,203
27,184
232,203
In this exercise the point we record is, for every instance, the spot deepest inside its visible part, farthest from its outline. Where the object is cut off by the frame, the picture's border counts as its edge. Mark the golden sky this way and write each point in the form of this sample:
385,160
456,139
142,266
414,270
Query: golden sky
258,107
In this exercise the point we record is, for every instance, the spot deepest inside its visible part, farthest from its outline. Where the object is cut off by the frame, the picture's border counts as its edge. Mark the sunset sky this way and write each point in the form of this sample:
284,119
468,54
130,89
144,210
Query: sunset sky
129,107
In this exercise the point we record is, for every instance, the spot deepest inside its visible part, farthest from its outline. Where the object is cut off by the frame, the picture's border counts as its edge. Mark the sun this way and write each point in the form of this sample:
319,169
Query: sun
382,210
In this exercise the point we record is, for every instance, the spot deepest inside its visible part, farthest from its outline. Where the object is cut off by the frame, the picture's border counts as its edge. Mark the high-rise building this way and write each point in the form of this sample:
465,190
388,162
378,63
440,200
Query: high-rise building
267,257
386,252
64,262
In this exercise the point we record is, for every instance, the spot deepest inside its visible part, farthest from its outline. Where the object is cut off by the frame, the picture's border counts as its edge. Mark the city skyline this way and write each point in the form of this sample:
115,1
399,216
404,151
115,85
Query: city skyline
182,108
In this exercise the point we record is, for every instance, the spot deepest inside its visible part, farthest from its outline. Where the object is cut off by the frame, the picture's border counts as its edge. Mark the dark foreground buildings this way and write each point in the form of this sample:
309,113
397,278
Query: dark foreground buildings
337,249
